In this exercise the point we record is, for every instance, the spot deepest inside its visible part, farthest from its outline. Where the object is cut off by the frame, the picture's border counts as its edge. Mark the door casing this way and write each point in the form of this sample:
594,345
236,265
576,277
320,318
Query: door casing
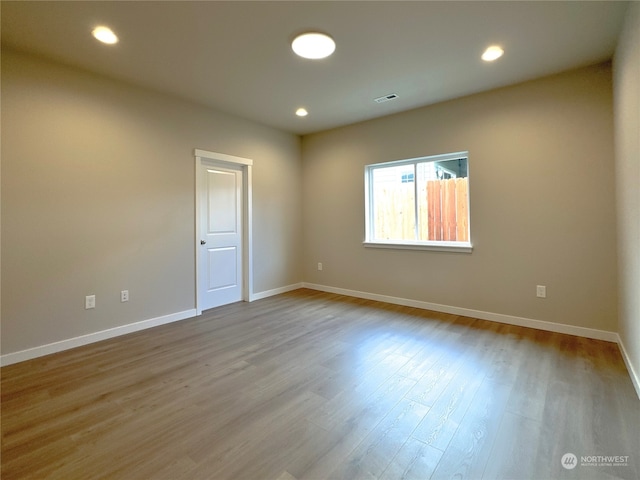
204,157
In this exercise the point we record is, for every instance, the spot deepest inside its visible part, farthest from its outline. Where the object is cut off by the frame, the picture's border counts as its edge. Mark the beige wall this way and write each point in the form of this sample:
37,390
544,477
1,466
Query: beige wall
542,202
98,196
627,140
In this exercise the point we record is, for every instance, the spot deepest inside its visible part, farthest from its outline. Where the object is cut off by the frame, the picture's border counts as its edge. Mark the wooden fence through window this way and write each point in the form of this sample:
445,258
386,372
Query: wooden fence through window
443,211
447,203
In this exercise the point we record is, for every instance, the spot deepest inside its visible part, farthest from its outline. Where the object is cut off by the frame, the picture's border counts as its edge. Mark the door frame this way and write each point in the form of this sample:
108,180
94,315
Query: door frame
206,158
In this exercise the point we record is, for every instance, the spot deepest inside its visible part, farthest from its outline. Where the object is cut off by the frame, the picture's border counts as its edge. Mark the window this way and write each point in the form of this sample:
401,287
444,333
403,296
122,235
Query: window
419,203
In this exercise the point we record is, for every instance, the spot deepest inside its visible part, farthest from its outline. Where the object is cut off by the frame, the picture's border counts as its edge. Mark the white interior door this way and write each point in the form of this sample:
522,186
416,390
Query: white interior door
220,259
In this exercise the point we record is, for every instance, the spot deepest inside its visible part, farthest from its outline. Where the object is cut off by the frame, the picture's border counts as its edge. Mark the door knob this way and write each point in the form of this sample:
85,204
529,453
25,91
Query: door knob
202,242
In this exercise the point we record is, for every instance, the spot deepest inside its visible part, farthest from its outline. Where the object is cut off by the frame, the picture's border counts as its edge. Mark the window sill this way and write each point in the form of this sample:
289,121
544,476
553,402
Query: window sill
456,247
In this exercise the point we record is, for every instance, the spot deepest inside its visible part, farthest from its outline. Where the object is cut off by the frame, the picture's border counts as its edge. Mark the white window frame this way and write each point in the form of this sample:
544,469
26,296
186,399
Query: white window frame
441,246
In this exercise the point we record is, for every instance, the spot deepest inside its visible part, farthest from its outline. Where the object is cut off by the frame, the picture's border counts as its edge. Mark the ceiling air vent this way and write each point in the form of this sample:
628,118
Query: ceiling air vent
386,98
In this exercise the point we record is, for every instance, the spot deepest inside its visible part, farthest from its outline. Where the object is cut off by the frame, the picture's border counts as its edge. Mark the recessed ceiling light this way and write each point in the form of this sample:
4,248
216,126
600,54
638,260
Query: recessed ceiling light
302,112
492,53
313,45
105,35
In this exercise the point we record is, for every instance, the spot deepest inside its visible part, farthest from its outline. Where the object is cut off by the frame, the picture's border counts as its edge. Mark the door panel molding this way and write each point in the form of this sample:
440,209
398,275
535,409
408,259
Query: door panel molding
222,160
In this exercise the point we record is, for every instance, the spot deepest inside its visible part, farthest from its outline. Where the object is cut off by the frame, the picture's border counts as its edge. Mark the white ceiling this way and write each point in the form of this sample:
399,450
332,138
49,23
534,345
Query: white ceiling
235,56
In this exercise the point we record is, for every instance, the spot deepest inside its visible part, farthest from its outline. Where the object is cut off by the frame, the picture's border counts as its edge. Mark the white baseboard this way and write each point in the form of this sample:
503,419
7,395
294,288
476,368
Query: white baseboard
67,344
494,317
635,378
275,291
55,347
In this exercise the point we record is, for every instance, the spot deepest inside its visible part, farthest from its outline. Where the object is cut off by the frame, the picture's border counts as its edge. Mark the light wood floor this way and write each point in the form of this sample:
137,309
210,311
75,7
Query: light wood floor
310,385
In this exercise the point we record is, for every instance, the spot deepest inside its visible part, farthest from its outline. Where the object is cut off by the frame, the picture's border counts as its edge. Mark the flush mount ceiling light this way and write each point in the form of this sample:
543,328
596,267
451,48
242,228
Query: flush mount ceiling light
302,112
492,53
104,35
313,45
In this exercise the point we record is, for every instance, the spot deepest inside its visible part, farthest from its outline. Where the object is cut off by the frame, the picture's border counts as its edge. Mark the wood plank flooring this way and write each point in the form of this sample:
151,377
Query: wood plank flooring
311,385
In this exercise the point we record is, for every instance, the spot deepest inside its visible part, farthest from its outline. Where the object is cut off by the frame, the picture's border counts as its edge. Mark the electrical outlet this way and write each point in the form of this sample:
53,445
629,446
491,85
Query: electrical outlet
89,302
124,296
541,291
319,266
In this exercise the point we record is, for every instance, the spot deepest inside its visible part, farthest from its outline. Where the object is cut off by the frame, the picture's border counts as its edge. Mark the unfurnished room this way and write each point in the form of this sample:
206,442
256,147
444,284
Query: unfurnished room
291,240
